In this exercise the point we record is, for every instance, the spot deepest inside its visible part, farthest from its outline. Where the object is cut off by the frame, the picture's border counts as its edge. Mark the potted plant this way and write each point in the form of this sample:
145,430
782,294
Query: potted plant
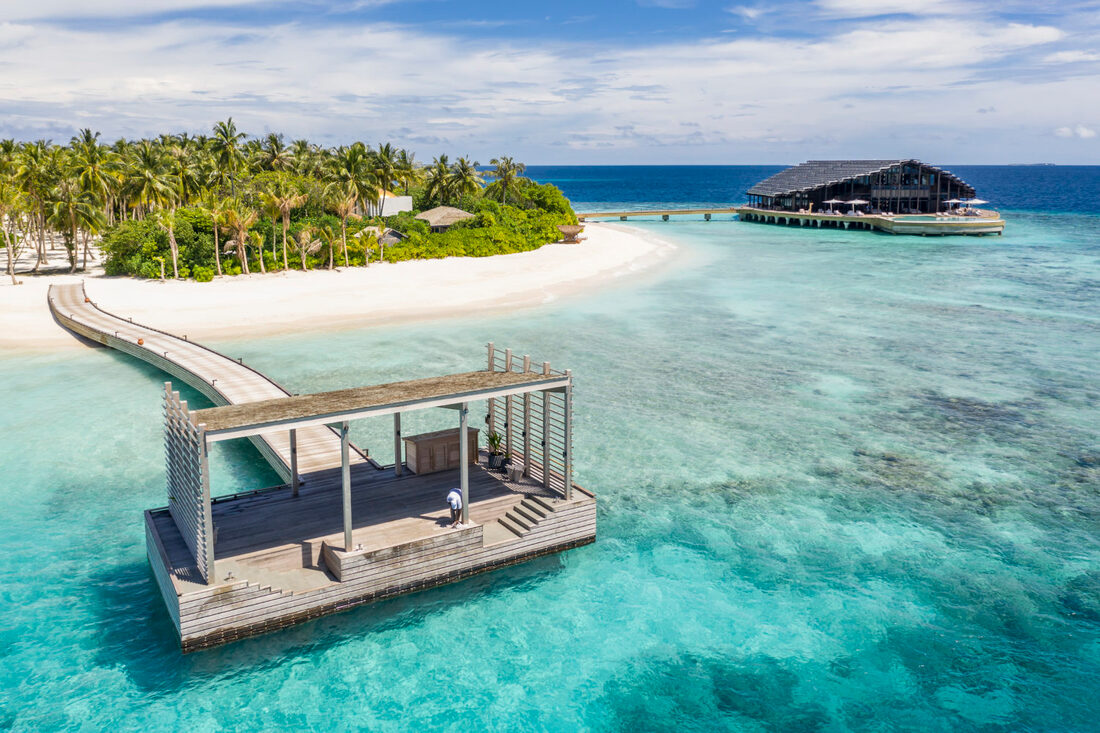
496,453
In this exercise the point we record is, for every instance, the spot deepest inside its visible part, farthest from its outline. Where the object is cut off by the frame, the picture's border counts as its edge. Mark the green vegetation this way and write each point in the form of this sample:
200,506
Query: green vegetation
196,207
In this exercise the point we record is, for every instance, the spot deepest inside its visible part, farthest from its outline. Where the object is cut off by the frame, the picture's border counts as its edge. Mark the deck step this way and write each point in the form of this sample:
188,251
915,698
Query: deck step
511,526
529,515
537,510
517,519
541,502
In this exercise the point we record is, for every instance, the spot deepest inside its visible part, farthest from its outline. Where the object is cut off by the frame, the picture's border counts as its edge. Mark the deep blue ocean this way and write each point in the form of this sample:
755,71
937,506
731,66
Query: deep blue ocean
847,481
1039,188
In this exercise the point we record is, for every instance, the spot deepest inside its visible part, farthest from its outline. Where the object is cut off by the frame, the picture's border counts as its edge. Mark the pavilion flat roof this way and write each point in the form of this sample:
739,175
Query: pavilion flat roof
250,418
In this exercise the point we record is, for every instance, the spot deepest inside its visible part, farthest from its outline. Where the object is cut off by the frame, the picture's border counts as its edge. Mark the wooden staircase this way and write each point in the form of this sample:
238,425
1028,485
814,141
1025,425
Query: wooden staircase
525,516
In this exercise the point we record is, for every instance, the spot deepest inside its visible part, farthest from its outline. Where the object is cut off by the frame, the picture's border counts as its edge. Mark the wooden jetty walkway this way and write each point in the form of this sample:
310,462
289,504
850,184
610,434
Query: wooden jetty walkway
348,532
663,213
221,379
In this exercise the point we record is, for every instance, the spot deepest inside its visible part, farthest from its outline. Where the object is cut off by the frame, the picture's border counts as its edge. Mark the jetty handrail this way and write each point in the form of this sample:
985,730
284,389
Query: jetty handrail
657,212
105,312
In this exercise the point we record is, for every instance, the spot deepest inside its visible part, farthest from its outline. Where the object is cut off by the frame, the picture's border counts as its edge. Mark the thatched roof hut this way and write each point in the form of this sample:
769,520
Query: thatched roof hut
570,233
442,217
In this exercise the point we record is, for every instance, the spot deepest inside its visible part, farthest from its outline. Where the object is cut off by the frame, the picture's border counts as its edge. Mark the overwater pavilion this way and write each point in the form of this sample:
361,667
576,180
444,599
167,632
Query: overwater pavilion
903,186
893,196
238,565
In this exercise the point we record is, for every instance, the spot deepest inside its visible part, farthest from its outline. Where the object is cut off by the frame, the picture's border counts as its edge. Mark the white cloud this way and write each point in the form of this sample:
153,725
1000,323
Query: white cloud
747,12
1079,131
886,88
1071,57
68,9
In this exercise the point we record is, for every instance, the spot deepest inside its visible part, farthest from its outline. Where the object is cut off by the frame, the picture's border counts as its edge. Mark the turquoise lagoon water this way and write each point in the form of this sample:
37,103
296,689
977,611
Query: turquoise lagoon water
846,482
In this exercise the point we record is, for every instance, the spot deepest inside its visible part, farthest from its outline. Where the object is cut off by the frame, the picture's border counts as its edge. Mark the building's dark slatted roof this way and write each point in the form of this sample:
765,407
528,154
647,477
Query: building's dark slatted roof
817,173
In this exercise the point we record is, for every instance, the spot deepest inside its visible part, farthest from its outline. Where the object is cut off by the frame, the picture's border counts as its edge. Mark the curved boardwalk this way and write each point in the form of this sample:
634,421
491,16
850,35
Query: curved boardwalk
224,381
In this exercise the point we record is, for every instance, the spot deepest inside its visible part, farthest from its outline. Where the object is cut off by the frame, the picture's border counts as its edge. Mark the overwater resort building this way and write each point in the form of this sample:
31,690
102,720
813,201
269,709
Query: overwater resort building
898,186
902,196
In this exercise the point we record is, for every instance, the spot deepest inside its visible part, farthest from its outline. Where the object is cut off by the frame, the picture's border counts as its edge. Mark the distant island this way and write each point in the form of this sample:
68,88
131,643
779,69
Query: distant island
198,206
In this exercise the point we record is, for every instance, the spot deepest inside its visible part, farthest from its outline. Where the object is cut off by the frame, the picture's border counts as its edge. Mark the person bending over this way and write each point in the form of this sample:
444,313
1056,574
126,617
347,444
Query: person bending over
454,498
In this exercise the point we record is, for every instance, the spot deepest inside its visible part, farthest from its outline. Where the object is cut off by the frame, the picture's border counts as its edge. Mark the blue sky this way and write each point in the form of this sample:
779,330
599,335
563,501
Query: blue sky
572,82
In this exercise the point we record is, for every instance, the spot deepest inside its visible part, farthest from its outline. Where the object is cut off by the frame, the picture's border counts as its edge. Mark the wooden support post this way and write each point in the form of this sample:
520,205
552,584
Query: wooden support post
546,430
508,407
207,511
464,460
397,444
345,482
490,417
526,422
568,458
293,462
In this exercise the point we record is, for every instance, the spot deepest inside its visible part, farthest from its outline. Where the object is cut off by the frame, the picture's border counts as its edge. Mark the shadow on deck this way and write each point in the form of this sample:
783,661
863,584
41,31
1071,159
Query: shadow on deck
273,538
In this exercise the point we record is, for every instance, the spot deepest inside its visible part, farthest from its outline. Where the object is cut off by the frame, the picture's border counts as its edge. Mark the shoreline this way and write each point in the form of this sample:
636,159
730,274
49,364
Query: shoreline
284,303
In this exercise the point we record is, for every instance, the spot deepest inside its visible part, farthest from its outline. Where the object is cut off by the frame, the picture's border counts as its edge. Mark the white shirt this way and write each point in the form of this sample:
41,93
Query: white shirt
454,498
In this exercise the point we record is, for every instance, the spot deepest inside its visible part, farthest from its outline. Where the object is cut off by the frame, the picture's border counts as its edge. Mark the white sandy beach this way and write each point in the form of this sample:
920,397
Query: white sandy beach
383,293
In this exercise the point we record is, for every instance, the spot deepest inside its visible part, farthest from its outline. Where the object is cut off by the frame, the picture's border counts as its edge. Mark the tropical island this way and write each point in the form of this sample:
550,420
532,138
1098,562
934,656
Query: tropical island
203,233
201,206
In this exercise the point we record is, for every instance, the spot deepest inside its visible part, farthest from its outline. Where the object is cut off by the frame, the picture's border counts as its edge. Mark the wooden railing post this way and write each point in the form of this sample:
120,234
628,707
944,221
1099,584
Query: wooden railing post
508,407
546,430
293,462
526,422
568,457
397,444
491,417
464,460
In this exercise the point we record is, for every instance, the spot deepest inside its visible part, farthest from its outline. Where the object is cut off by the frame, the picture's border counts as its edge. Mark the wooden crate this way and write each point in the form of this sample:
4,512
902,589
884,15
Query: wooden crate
438,451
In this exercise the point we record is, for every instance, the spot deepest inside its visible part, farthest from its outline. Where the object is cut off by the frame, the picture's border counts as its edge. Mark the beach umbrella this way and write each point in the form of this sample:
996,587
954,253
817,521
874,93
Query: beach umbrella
977,202
857,202
830,202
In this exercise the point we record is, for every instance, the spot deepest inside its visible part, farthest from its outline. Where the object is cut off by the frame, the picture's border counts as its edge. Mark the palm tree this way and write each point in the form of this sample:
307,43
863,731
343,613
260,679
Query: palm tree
384,169
465,180
273,154
98,171
343,205
238,219
406,169
35,173
307,244
186,172
10,201
165,219
270,207
506,172
69,206
328,240
257,241
215,207
350,181
285,198
226,147
148,182
437,184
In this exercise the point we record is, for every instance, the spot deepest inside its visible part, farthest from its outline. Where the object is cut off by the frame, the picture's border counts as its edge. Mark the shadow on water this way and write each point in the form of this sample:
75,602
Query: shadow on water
686,691
135,631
